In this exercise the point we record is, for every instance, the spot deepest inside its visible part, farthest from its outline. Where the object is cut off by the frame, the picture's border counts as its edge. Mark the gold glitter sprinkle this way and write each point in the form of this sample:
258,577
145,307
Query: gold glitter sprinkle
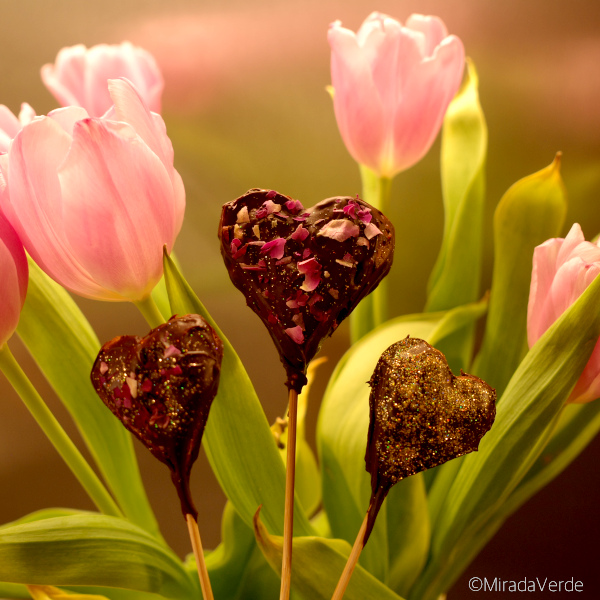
421,415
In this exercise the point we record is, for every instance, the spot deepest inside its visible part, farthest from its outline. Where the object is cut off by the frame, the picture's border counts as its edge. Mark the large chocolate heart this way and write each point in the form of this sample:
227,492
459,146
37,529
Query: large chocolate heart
421,415
303,271
161,387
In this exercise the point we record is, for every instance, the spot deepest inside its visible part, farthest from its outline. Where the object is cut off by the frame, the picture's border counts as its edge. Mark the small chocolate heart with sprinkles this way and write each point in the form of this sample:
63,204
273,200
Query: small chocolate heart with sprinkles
161,388
421,416
303,271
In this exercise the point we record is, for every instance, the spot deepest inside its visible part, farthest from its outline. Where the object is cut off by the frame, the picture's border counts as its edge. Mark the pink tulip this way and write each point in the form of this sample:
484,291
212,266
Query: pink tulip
562,270
95,200
14,275
392,86
79,77
11,125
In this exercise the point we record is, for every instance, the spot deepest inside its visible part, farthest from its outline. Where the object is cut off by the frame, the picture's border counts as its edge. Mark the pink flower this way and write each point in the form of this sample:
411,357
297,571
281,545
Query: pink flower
14,275
392,86
79,77
562,270
11,125
95,200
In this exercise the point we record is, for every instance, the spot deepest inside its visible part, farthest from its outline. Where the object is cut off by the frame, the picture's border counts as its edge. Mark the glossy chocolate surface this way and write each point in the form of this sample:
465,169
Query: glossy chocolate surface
161,388
303,271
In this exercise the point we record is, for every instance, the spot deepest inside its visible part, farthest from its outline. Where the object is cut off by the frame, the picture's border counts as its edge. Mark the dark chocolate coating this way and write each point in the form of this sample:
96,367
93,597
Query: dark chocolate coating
321,263
421,415
161,388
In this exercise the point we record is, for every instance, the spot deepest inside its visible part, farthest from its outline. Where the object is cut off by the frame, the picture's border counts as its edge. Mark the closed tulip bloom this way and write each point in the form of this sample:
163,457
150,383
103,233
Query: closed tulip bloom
14,275
392,85
562,270
79,76
11,125
95,200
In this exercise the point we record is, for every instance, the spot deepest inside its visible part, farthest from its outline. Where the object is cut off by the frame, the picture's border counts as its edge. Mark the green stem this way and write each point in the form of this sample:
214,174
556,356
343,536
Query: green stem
373,310
150,311
56,434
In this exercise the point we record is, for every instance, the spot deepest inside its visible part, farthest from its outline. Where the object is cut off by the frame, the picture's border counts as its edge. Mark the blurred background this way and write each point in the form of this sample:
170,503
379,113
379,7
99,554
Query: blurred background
245,106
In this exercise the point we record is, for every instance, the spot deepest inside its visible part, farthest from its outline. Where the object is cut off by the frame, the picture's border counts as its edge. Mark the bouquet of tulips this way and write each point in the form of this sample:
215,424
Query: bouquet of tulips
91,204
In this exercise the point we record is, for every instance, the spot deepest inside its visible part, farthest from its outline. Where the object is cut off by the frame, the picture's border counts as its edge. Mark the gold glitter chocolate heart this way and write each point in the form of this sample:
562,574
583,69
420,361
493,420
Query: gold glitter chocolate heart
421,415
303,271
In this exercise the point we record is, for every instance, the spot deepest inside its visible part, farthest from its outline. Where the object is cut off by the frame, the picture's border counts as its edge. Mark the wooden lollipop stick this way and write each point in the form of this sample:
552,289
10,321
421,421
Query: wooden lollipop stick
199,555
288,518
352,560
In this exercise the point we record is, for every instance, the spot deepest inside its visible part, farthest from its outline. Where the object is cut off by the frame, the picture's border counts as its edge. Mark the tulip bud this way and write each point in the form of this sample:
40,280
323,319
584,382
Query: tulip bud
421,416
14,275
79,76
161,388
392,86
562,270
95,200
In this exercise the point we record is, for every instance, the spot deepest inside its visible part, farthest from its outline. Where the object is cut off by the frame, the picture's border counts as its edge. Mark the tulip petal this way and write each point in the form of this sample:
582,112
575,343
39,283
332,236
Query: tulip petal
570,281
587,387
370,30
26,114
35,205
374,33
105,62
79,77
433,29
542,275
568,245
398,58
64,79
14,276
118,206
426,96
67,117
357,106
8,122
131,108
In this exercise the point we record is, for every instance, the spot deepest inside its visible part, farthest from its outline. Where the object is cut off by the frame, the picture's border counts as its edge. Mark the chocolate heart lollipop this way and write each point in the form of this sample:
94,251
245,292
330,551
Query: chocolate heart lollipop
303,270
161,387
421,416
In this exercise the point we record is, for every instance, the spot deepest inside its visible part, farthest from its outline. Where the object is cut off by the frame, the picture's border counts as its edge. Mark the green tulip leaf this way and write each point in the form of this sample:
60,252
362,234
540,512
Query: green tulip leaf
14,590
238,441
456,276
578,426
64,345
91,550
408,532
318,564
50,592
526,415
228,563
532,211
237,567
343,425
161,299
45,513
